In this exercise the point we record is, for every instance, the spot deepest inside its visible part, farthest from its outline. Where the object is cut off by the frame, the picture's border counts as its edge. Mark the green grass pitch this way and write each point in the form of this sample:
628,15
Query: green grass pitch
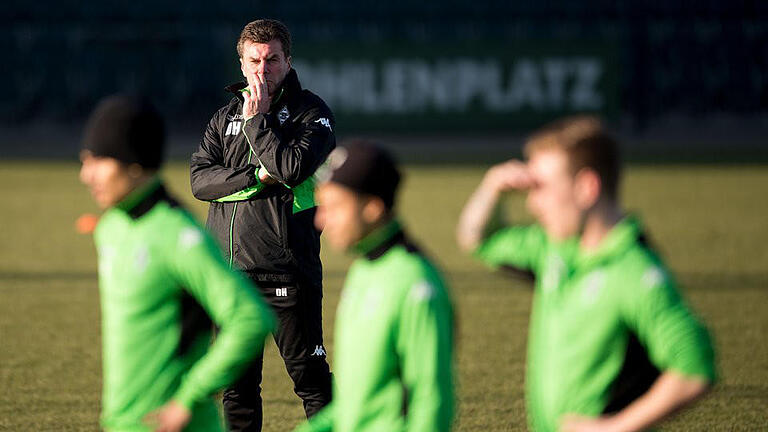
710,222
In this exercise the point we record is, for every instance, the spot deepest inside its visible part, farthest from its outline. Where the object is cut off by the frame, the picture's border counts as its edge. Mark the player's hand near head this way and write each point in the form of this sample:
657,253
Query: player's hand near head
479,217
171,417
507,176
256,99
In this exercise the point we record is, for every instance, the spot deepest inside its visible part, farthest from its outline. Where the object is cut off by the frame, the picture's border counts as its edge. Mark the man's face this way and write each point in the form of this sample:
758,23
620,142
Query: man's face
552,199
109,180
266,60
340,215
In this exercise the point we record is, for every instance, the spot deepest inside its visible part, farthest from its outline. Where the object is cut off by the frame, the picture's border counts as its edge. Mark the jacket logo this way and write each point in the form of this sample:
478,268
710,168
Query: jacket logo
319,351
233,128
653,277
141,259
553,274
324,121
189,237
283,115
234,117
281,292
593,285
106,256
422,291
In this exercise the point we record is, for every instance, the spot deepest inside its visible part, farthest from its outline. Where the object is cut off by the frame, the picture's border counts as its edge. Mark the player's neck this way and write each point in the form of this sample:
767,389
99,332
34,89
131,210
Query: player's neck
598,223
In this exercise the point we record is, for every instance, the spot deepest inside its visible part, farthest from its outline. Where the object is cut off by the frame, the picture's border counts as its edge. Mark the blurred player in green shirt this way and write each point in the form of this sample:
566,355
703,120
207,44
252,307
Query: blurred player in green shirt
393,344
162,282
612,346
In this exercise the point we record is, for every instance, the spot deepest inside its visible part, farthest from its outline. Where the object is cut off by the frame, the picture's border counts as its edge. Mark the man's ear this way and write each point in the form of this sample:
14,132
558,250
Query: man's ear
288,60
374,210
242,67
135,171
587,188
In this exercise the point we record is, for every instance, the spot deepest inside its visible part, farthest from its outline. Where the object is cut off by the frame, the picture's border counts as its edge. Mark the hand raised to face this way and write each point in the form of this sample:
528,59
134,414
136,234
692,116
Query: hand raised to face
256,99
506,176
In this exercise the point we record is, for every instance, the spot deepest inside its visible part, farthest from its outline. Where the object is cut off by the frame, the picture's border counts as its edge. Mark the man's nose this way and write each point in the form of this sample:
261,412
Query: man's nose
261,68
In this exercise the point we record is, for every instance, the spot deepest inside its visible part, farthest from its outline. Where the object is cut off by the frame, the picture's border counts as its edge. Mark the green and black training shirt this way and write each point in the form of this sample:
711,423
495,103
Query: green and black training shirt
163,282
604,323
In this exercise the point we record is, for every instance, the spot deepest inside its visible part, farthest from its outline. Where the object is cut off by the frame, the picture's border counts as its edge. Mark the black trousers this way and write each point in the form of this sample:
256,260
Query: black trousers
299,338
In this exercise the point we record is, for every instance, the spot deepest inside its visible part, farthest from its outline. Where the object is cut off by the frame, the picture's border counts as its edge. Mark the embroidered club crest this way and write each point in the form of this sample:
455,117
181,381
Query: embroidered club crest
283,115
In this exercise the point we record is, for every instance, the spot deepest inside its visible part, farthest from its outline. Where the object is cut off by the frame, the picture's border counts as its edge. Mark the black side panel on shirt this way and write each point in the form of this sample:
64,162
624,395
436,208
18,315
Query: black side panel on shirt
635,378
518,273
194,322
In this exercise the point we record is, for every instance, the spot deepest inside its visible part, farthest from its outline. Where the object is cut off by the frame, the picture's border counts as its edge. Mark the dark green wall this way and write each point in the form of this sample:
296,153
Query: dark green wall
390,66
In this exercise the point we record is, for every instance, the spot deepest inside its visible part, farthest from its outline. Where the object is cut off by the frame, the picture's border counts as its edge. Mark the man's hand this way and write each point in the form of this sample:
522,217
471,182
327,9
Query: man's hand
506,176
171,417
256,100
479,217
576,423
264,177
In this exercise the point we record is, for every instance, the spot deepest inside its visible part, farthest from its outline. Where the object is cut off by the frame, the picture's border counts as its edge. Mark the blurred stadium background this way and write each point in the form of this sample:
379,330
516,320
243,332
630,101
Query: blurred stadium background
450,86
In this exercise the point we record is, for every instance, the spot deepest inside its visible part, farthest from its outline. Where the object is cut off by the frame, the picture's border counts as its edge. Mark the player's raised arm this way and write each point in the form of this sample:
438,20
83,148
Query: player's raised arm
481,215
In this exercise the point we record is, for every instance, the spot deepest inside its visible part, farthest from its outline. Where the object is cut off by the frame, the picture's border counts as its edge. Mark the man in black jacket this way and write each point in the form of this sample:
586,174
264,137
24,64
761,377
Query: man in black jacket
256,166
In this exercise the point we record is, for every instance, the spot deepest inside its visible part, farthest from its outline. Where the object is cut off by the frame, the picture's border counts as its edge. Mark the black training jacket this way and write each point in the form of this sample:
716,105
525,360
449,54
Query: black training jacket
270,235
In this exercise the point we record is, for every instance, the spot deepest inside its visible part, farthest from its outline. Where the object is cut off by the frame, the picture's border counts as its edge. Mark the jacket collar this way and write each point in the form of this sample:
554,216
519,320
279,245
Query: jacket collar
142,199
289,90
623,236
380,240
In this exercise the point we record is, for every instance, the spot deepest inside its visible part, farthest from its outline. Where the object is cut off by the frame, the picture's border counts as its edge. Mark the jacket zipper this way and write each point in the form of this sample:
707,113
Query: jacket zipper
234,209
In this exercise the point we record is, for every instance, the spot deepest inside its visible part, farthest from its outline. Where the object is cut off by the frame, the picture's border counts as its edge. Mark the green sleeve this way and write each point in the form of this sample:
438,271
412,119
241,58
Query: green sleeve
231,302
517,246
245,194
425,350
322,421
674,338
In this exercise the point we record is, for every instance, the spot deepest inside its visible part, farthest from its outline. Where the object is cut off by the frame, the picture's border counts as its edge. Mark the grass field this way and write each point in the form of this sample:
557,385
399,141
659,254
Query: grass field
711,223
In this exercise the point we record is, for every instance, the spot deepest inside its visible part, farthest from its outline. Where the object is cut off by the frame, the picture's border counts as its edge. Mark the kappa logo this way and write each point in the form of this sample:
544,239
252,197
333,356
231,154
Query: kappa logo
234,117
283,115
422,291
319,351
233,128
653,277
325,122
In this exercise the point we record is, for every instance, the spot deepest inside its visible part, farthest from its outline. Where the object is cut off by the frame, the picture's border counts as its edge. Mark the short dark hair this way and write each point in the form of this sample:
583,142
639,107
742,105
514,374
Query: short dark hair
587,145
264,31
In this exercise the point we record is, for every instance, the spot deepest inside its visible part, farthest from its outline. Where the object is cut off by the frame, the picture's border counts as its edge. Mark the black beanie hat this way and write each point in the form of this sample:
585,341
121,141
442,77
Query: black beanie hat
128,129
365,168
